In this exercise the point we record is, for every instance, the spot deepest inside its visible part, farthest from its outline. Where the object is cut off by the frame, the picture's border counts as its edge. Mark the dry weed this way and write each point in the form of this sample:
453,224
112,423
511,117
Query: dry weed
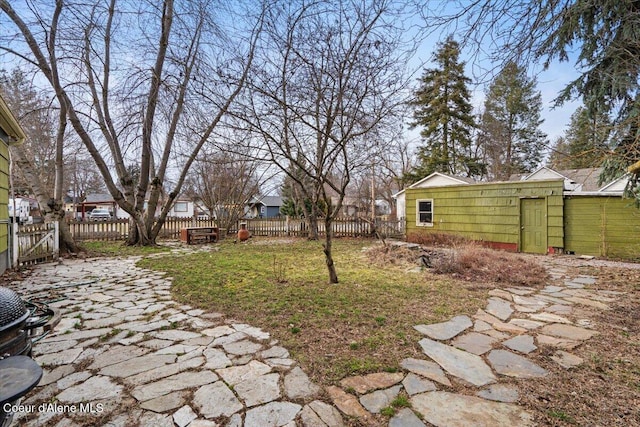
392,254
435,239
470,261
466,261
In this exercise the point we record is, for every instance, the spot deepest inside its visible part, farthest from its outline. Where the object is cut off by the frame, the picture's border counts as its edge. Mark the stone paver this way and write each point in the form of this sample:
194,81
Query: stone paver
183,416
363,384
567,331
214,400
375,401
298,386
321,414
566,360
499,308
95,388
272,414
414,384
466,366
405,418
426,369
346,402
262,389
455,410
445,330
513,365
521,343
500,393
474,342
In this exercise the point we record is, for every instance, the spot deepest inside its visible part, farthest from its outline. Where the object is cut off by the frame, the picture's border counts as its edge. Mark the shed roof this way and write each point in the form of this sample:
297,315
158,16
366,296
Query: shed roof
10,124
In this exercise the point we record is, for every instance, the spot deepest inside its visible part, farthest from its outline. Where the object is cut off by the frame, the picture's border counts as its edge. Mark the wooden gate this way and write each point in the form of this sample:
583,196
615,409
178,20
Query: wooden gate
35,243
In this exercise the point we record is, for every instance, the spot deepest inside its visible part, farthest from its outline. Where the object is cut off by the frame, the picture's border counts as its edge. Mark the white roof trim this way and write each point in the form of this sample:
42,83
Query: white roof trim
426,178
593,193
415,184
526,178
626,177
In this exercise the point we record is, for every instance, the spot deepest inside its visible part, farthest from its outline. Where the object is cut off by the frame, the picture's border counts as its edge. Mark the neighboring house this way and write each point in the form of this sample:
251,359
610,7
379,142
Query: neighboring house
182,207
73,207
10,134
546,211
264,207
574,179
100,200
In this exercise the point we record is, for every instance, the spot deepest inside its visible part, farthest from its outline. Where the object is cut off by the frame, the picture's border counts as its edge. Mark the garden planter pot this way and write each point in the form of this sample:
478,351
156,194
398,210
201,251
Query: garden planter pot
243,233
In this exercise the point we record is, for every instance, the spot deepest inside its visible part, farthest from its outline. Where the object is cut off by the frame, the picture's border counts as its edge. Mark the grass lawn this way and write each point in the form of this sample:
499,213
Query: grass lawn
363,324
97,248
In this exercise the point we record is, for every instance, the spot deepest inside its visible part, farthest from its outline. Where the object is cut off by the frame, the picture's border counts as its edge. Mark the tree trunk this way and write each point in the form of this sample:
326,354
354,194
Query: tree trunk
51,209
139,233
327,249
312,222
311,218
66,243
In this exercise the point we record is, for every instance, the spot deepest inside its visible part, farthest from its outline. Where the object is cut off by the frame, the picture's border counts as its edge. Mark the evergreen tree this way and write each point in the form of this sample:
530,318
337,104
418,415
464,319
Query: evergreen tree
559,158
509,130
585,143
443,111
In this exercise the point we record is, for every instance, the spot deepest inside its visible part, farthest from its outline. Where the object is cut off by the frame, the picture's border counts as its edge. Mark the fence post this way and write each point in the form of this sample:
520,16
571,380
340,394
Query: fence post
56,240
16,244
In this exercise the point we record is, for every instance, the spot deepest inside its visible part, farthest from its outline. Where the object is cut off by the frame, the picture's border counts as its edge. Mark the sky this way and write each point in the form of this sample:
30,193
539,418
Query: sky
550,83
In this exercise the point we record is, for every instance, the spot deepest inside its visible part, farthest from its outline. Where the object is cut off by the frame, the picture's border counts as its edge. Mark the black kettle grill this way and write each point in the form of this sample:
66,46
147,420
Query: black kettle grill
20,324
14,335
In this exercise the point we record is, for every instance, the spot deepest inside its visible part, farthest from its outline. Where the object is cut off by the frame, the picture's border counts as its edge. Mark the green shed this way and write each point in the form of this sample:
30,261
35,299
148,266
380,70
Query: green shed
543,212
10,133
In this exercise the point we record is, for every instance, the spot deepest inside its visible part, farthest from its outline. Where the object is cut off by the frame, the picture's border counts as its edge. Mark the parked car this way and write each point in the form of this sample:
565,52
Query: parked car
99,214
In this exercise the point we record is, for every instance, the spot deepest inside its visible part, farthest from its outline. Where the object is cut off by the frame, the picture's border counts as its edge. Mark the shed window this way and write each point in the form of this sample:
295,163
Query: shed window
180,207
424,215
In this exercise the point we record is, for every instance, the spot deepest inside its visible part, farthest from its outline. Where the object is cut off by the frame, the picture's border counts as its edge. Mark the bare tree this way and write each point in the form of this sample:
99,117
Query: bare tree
329,75
39,161
142,82
394,165
83,177
224,182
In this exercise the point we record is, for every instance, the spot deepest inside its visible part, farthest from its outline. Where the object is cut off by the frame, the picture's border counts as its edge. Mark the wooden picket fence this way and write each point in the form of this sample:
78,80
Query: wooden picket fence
342,227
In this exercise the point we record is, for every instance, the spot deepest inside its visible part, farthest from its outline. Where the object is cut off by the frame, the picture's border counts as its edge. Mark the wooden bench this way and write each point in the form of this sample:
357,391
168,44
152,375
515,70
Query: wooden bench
192,235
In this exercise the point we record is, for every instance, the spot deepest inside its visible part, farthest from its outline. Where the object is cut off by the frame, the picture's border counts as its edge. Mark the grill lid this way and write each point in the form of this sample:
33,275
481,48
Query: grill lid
12,309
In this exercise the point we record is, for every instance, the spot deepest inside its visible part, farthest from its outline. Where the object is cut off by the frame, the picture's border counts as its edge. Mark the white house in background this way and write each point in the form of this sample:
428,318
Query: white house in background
182,207
582,181
618,186
436,179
